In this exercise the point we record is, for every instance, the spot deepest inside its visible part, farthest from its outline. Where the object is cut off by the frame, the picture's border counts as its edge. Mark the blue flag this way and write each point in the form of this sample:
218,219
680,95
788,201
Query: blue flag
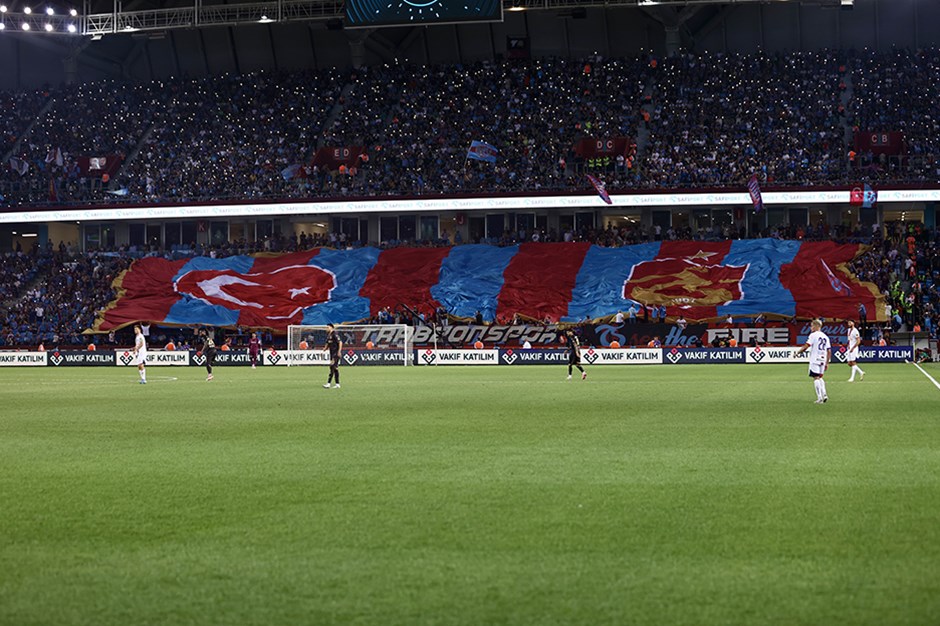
482,151
869,197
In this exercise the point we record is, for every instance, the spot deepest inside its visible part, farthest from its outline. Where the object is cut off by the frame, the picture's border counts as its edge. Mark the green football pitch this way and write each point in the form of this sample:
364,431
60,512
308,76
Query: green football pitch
687,494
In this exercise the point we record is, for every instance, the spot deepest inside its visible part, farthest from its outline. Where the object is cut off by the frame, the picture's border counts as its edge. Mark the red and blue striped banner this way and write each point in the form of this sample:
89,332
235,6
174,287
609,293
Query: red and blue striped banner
566,282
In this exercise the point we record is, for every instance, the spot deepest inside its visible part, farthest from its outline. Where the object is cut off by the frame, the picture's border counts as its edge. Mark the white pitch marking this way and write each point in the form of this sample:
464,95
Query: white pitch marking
931,378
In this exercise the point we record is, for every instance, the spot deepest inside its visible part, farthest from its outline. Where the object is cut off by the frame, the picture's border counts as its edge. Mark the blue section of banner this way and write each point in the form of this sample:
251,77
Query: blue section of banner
190,310
241,264
761,289
598,290
471,279
351,267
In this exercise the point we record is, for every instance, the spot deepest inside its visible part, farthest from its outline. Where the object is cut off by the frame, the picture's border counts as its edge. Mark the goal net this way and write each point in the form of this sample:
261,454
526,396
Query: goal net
376,344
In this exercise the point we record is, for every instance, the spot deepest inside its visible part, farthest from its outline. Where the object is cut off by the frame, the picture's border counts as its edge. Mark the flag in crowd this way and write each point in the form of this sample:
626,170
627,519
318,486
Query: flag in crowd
482,151
565,282
292,171
863,196
837,285
753,188
18,165
55,156
600,188
869,197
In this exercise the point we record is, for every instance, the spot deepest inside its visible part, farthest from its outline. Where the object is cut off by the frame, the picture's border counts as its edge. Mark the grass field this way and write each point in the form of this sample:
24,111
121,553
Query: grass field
475,495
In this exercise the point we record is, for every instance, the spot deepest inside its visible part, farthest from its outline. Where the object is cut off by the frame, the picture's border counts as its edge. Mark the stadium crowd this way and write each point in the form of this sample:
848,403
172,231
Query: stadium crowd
894,91
697,121
50,294
62,303
716,118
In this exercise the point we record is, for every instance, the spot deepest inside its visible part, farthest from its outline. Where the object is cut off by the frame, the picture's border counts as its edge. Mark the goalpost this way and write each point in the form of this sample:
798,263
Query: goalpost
389,344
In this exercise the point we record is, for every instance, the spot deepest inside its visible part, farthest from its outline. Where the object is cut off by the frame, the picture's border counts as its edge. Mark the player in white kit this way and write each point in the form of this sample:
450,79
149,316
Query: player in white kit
854,340
819,348
140,353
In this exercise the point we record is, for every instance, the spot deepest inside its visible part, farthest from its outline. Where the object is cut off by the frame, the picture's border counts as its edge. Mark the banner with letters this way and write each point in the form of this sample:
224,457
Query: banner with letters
456,357
876,354
71,358
872,354
223,357
679,356
639,334
533,356
428,356
617,356
782,354
354,357
23,359
296,357
589,356
154,357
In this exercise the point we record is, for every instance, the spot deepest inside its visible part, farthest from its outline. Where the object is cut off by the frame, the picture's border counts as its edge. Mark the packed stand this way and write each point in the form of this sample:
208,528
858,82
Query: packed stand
718,119
93,120
233,136
532,112
56,309
914,292
710,120
898,91
18,112
17,271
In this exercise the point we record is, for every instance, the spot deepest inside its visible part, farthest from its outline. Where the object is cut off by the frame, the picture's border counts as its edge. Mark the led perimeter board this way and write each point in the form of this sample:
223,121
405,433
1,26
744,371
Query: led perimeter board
362,13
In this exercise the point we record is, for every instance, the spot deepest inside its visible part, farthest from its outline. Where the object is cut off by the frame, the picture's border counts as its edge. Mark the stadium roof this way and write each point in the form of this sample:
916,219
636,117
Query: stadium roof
104,17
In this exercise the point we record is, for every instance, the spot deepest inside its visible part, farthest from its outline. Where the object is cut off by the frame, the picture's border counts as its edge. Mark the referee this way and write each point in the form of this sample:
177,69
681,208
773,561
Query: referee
334,346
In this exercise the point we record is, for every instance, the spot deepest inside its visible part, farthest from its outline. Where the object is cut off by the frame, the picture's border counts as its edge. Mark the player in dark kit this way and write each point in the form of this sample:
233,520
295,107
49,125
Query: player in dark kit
574,353
334,346
208,351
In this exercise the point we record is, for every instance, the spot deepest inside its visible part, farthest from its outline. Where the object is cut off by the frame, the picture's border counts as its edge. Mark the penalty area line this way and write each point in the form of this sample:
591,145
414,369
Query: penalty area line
929,377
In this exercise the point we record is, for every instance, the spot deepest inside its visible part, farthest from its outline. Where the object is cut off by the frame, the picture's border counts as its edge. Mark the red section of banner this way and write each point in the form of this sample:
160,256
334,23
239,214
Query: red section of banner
539,280
708,252
266,264
693,289
145,292
404,276
687,277
270,298
320,282
821,284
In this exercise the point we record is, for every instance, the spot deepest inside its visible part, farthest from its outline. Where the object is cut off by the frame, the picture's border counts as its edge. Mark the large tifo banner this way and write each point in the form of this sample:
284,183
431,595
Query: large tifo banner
556,281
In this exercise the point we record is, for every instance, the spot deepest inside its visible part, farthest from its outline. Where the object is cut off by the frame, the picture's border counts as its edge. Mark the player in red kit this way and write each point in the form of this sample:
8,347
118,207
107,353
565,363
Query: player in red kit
254,349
